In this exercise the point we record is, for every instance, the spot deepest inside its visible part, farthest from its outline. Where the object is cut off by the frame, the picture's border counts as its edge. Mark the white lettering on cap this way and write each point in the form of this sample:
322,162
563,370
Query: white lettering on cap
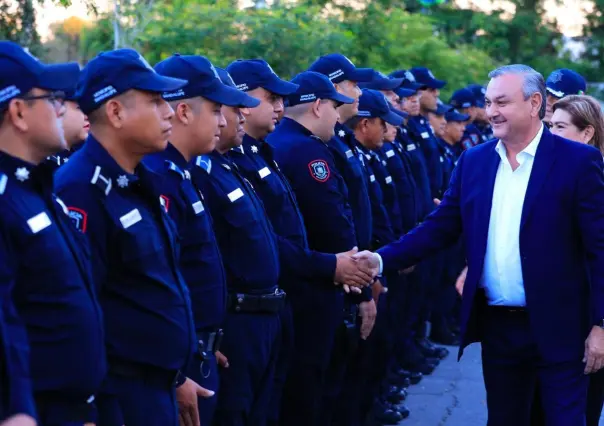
169,95
8,93
336,74
362,113
308,97
104,93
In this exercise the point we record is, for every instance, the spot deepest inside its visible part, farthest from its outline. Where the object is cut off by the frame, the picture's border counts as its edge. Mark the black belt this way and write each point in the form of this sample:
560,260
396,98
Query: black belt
208,342
507,309
256,303
147,373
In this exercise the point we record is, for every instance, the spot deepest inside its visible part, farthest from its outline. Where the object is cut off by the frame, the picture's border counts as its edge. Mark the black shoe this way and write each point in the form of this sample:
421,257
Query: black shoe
413,376
399,379
394,394
382,414
402,410
428,349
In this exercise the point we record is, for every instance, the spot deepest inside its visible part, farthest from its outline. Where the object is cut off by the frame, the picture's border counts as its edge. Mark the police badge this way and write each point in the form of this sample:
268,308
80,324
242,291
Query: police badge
319,170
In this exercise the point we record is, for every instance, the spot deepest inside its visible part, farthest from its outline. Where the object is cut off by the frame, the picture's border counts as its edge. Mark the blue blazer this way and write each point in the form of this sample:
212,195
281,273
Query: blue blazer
561,241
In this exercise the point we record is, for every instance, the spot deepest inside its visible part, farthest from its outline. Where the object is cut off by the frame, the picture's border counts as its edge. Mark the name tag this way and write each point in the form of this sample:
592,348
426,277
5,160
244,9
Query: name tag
39,222
131,218
235,195
264,172
388,179
390,153
425,135
411,147
349,154
372,178
197,207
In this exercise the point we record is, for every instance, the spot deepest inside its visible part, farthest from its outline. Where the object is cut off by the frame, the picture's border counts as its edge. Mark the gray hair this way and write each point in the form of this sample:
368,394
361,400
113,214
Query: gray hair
533,82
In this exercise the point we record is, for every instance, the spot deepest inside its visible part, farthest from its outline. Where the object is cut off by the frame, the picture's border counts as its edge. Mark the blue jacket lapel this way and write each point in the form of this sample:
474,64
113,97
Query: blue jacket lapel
544,159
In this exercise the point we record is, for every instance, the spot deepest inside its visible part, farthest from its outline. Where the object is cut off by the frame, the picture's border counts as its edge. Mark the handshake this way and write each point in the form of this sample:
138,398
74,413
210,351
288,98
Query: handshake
356,270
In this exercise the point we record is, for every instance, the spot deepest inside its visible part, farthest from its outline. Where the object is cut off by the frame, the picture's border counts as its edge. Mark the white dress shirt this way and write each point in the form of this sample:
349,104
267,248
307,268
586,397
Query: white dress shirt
502,273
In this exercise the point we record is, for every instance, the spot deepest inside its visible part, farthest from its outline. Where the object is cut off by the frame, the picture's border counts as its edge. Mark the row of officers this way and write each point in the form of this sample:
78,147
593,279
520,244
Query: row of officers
176,242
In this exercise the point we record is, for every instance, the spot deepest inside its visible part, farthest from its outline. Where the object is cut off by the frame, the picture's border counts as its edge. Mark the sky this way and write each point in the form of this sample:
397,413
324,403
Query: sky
570,13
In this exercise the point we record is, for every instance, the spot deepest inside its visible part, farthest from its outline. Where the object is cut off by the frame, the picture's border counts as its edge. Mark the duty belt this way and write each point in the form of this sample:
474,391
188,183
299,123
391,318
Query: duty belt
208,342
257,303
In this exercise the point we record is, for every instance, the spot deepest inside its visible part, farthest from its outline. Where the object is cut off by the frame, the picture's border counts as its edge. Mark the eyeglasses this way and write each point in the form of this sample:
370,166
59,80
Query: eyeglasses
56,98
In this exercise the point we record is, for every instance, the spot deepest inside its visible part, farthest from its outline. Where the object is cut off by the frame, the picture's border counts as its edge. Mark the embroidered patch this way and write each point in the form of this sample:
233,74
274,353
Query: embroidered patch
79,218
319,170
165,202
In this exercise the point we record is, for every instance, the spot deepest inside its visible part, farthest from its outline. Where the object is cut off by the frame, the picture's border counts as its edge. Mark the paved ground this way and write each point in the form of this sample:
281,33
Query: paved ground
453,396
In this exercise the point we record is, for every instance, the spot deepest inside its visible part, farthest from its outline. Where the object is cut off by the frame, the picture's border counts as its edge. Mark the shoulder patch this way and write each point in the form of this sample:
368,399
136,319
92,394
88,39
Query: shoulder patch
319,170
101,181
474,138
165,202
204,162
79,218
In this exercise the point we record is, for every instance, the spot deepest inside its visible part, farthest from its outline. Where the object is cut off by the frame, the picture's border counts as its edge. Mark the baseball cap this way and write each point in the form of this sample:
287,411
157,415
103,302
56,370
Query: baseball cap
463,98
338,68
424,76
441,108
374,104
245,100
20,72
312,86
402,114
202,80
453,115
115,72
479,92
563,82
409,81
249,74
380,81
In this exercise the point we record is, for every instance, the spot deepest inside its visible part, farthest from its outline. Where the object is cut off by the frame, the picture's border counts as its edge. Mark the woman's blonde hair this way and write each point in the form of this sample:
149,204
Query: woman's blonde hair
585,111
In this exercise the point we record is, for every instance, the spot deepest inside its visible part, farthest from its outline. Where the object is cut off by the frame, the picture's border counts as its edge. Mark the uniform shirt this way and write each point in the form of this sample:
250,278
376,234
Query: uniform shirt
380,179
350,165
471,136
200,259
421,133
449,162
245,236
403,183
50,273
255,161
148,317
486,130
419,170
502,273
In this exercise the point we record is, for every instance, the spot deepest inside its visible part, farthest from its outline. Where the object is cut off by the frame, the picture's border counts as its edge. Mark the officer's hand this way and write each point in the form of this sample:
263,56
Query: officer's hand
376,290
461,280
222,360
19,420
368,312
186,396
369,261
436,202
351,272
594,350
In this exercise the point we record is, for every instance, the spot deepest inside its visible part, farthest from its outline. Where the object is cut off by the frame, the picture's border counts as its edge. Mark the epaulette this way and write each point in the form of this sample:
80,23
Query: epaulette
3,182
101,181
184,174
204,162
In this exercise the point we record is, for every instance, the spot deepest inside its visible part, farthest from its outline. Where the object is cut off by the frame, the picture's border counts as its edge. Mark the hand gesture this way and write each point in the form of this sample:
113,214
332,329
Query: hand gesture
461,280
367,312
186,396
594,350
350,272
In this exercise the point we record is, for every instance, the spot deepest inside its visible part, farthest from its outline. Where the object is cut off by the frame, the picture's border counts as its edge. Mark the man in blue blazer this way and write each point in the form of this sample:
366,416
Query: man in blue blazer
530,207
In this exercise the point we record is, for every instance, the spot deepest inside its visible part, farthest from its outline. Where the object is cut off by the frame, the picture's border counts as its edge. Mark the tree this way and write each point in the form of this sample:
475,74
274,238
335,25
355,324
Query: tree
18,24
64,45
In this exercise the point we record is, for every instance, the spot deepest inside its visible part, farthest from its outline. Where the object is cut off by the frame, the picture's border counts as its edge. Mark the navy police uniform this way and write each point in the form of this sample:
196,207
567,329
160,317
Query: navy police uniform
251,260
148,319
46,279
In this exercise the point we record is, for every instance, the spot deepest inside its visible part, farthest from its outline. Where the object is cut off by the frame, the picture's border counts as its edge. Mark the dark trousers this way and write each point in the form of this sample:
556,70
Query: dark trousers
137,402
284,357
512,367
250,343
64,410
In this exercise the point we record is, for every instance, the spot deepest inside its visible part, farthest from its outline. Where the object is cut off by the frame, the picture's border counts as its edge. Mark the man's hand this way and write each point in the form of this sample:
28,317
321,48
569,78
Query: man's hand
369,261
222,360
351,272
461,281
367,312
19,420
436,202
376,290
594,350
186,396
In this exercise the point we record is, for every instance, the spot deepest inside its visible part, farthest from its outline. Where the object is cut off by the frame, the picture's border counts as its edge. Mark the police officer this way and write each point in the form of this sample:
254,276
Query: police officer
115,202
481,121
196,128
431,91
250,254
455,128
301,151
75,123
45,264
437,120
560,83
465,102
